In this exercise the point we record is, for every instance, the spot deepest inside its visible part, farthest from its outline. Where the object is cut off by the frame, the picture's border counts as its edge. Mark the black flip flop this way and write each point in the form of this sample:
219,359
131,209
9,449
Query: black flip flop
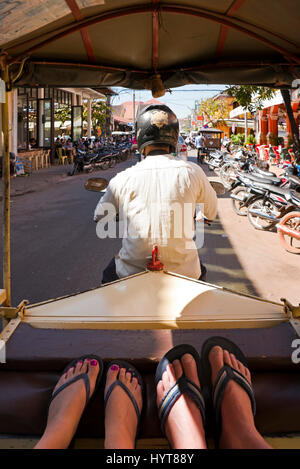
214,393
83,376
135,374
182,386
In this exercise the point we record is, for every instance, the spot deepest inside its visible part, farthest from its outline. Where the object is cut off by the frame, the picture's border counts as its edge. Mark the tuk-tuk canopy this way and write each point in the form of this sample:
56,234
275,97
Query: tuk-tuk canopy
152,44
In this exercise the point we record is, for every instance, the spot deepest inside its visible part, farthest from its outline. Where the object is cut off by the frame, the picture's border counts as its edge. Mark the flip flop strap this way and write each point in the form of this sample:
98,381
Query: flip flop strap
83,376
182,386
225,375
119,383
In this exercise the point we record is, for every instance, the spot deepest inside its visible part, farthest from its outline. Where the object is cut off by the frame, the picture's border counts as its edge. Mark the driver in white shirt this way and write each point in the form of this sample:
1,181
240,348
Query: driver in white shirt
145,196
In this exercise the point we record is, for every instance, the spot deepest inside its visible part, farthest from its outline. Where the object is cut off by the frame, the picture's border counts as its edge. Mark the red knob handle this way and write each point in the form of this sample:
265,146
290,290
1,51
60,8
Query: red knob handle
155,264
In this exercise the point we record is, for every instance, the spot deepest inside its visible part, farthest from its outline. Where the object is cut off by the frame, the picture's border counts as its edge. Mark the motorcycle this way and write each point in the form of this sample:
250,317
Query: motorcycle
267,209
82,162
244,186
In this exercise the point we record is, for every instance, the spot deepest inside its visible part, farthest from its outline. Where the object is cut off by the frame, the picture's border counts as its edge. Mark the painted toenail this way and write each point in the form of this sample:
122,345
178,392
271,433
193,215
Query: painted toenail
114,367
80,361
94,362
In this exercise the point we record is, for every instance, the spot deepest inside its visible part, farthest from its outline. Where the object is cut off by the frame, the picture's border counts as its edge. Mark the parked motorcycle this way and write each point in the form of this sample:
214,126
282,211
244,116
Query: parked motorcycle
266,210
82,162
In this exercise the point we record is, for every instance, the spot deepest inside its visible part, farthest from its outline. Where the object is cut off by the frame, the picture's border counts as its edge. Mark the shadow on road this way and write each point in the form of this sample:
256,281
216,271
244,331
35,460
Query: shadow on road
218,255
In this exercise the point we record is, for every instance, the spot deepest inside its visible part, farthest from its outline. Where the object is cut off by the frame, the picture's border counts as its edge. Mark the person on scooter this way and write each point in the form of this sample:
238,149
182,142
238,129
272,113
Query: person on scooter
147,195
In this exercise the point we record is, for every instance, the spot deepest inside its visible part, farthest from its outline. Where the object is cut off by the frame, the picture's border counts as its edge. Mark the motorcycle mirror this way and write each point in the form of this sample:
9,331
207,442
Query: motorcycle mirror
96,184
218,187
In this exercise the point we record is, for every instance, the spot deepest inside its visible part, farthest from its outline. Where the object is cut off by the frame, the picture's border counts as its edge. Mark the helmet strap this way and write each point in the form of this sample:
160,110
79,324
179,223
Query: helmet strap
156,150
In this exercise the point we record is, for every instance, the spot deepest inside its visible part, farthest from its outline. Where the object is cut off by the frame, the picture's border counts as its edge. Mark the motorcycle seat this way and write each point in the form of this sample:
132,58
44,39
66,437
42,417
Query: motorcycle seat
295,199
274,189
259,179
295,180
263,172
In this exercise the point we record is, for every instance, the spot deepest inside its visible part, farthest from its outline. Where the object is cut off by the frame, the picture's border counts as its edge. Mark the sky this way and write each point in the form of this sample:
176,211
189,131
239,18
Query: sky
181,100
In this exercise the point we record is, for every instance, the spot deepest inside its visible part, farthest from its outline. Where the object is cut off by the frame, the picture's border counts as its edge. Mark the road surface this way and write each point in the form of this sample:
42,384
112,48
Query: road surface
55,250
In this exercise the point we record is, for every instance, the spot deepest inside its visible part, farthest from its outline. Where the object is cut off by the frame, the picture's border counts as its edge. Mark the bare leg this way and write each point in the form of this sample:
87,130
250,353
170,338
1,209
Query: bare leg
120,415
66,408
184,427
238,427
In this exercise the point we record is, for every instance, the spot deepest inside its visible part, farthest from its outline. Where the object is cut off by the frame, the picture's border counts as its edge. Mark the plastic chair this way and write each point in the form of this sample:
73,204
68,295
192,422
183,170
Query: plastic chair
277,153
266,153
292,155
70,156
46,158
61,158
39,155
257,149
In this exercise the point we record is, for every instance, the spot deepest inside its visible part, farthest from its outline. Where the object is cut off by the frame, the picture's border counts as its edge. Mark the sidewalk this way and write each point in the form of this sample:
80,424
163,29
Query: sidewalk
43,178
36,181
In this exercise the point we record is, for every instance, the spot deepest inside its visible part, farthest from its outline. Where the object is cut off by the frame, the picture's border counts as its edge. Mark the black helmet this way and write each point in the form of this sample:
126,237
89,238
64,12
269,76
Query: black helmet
155,125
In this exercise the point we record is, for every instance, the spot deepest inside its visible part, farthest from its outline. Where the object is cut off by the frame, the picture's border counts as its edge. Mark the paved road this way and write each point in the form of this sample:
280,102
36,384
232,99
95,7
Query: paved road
55,250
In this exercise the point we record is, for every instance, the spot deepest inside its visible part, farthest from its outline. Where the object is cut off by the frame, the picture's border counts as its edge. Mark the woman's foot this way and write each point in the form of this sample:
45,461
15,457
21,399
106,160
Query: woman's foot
238,427
67,407
183,426
120,415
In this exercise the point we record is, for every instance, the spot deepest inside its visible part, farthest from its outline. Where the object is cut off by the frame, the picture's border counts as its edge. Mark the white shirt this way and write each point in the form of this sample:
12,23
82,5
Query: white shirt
146,194
199,141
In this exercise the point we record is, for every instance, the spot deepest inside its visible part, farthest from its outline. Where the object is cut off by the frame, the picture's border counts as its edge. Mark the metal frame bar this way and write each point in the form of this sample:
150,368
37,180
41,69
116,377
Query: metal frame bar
224,29
84,32
155,37
203,66
6,188
219,18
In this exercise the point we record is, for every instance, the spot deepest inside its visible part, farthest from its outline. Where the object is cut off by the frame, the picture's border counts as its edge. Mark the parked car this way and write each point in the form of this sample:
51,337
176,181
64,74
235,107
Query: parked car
181,148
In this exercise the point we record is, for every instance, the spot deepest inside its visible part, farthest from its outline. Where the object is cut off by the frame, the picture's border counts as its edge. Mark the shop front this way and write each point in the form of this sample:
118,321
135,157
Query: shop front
38,116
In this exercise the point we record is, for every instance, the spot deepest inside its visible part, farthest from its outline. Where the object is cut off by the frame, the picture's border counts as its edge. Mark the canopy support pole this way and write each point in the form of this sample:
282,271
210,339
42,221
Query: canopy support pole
6,186
285,93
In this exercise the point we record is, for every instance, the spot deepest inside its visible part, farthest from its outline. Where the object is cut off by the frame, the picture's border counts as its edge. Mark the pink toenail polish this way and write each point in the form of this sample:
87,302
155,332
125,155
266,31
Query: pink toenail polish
114,367
94,362
80,361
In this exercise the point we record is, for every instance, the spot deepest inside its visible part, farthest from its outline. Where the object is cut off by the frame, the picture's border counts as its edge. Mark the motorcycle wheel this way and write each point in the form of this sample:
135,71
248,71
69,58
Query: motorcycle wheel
123,156
73,170
236,204
112,162
292,221
267,207
227,175
105,164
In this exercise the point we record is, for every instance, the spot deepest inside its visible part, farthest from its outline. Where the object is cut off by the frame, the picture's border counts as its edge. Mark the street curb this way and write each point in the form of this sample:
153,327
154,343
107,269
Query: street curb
37,189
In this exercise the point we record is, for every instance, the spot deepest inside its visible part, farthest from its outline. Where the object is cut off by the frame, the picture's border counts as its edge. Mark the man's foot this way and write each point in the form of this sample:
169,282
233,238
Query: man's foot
184,426
67,407
120,415
238,427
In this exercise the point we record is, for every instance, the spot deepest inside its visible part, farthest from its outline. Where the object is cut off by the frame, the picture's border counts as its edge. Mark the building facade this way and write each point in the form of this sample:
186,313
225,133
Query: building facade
32,116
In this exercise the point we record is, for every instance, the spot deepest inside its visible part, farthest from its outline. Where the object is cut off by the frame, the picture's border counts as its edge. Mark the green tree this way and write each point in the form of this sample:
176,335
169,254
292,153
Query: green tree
215,110
100,111
250,97
62,113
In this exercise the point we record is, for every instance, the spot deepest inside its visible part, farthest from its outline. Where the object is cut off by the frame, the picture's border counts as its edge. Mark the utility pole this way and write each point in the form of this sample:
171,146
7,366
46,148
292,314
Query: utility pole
246,126
133,107
108,117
